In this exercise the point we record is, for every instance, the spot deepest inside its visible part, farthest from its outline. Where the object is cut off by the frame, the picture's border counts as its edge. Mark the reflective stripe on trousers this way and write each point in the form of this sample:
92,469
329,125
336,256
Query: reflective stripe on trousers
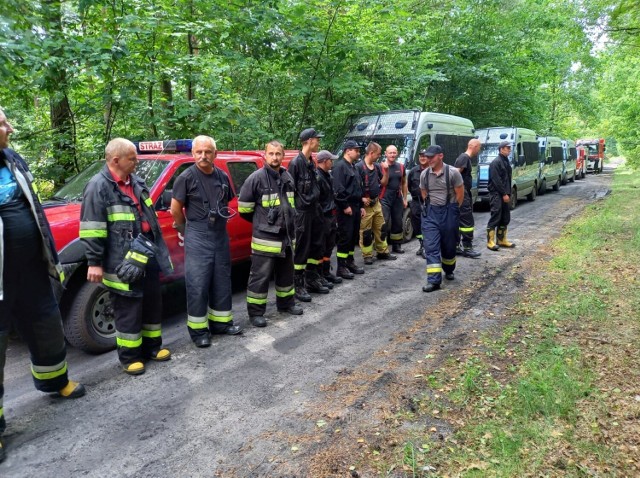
440,235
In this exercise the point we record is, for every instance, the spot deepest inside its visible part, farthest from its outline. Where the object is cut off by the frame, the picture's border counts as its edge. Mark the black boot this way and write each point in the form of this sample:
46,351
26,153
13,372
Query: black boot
313,283
301,292
343,270
469,251
326,270
420,250
323,279
351,265
397,249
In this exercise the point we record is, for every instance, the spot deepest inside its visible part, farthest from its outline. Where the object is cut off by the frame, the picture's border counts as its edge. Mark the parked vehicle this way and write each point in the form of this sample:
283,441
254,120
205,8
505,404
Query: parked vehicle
595,153
411,131
551,163
87,313
569,157
523,159
581,162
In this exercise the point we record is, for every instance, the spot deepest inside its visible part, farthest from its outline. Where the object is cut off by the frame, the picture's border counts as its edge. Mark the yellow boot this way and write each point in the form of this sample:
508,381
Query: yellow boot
491,240
502,238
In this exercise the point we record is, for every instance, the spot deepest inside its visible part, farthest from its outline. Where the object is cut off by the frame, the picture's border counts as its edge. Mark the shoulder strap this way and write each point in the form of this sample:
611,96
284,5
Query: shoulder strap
446,180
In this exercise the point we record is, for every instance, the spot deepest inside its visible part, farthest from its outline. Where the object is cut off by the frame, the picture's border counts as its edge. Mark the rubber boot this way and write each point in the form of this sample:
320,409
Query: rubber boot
491,240
301,292
420,250
469,251
326,270
312,281
502,238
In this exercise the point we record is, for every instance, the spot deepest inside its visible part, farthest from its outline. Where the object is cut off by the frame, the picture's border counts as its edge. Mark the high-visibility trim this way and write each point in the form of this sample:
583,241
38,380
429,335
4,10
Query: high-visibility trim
91,225
326,259
253,300
1,410
285,294
60,272
257,295
88,233
342,255
367,249
395,236
265,245
120,213
315,262
219,315
384,244
148,202
449,262
151,330
351,253
245,206
47,372
131,341
136,256
466,229
434,268
299,267
271,203
112,280
291,199
419,236
197,322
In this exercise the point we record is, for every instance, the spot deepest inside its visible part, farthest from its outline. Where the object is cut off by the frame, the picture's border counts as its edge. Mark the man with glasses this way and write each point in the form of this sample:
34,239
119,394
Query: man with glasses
199,207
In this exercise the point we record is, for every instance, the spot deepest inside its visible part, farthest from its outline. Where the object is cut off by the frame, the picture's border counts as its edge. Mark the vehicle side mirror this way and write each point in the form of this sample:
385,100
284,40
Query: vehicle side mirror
164,201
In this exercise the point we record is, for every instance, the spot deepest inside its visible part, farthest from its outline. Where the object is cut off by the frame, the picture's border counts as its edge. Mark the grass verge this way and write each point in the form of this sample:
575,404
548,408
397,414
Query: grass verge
555,392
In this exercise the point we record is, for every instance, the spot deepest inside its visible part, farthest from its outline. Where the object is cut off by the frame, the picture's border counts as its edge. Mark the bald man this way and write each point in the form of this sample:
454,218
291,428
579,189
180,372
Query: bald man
199,207
467,224
125,253
394,198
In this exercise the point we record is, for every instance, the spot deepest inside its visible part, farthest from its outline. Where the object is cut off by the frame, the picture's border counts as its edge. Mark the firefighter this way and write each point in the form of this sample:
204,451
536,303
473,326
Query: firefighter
308,248
372,231
347,187
325,161
499,198
267,200
204,192
463,164
125,252
28,259
416,204
442,189
394,199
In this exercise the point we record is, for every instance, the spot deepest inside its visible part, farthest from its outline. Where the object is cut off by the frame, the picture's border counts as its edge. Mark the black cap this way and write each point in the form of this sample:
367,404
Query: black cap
351,144
325,155
423,152
433,150
504,144
309,133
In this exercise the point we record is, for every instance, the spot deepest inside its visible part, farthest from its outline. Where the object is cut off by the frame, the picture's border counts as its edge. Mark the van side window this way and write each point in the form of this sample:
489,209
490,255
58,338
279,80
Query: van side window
449,144
239,172
423,143
556,154
531,152
573,154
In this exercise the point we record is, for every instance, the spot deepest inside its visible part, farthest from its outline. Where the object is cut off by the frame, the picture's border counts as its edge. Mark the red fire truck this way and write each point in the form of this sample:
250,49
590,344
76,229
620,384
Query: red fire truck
593,151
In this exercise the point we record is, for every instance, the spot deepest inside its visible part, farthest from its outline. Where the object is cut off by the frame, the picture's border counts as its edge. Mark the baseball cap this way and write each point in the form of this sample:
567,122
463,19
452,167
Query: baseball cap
325,155
433,150
423,152
350,144
309,133
504,144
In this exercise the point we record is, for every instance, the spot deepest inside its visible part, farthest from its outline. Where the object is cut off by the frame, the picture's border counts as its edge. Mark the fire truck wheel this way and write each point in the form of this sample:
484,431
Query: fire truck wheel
90,325
407,226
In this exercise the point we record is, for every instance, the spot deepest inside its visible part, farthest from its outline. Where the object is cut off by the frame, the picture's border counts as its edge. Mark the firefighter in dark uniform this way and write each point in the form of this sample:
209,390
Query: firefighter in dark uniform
267,200
325,161
374,178
499,198
416,204
125,252
442,189
394,199
27,259
308,248
347,187
463,164
204,191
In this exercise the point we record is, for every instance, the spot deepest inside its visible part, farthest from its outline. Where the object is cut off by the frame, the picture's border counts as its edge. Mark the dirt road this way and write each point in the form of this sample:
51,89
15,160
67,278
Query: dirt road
250,404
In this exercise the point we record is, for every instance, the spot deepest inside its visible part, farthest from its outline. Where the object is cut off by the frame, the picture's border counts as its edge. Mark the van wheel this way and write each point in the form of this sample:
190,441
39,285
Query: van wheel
533,194
573,178
90,325
407,225
556,186
513,200
543,187
564,179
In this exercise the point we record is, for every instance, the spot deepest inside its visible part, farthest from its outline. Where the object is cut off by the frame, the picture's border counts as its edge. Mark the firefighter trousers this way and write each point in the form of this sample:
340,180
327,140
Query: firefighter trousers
440,232
348,233
309,240
371,230
263,267
500,212
416,217
392,209
138,319
30,306
207,279
467,223
330,227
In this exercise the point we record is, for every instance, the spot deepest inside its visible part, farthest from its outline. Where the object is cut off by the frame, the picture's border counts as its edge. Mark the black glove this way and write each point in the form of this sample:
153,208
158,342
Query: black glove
131,269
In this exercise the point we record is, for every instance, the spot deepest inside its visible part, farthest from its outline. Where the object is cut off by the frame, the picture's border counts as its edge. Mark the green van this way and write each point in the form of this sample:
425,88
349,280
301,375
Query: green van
551,163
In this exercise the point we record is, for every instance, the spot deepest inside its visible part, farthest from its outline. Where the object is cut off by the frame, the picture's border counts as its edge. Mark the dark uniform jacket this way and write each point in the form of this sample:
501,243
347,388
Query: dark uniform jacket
371,187
500,176
303,172
267,200
110,221
327,202
413,182
347,184
24,179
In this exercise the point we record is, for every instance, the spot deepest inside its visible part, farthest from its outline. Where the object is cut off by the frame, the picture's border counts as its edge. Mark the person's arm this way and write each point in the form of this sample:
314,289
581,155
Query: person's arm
93,231
459,190
339,189
404,189
178,201
384,180
458,185
247,200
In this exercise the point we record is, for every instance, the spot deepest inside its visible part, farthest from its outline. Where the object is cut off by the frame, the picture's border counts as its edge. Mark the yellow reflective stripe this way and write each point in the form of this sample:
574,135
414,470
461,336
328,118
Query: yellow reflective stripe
351,253
434,270
342,255
395,236
137,257
315,262
121,216
288,293
299,267
253,300
111,280
271,203
197,325
87,233
151,333
367,249
292,202
218,318
466,229
1,411
130,344
91,225
262,248
449,262
148,202
219,315
47,373
257,295
419,236
244,206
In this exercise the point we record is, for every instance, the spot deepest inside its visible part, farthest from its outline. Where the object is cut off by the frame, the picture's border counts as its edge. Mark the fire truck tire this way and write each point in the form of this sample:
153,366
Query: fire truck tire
90,325
407,226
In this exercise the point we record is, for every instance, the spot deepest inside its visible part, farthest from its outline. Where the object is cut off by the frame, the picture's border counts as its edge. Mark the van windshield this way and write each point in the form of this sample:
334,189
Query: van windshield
405,145
488,153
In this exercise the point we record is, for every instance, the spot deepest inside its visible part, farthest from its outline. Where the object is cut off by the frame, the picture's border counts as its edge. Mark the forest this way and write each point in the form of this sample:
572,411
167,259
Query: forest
76,73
